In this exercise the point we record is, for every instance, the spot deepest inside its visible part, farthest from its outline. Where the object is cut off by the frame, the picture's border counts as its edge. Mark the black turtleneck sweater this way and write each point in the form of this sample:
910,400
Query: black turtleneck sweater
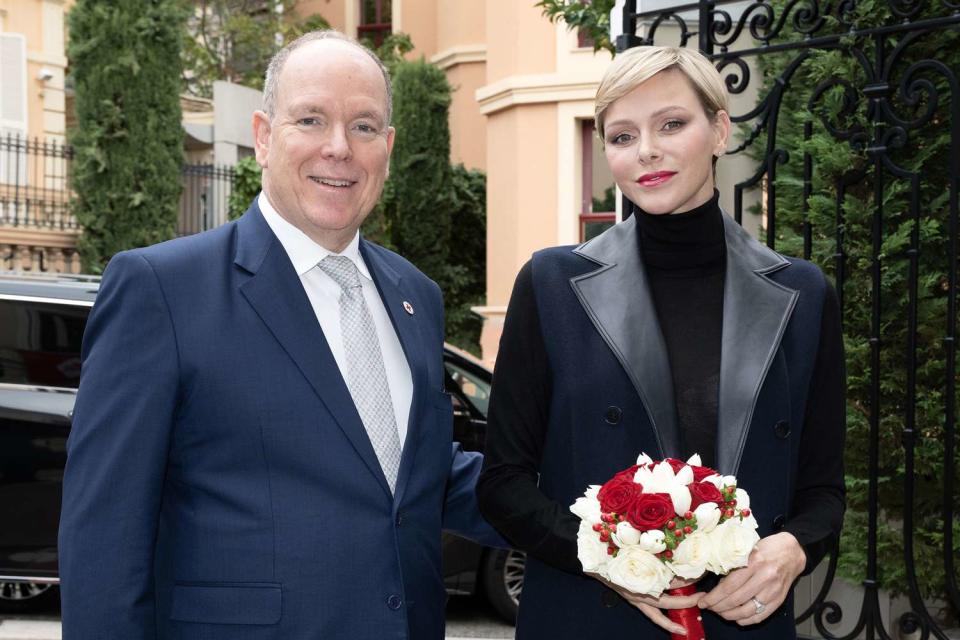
684,255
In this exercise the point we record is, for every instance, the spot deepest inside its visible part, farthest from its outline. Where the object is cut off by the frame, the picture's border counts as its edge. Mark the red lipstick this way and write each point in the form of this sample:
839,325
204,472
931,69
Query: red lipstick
655,179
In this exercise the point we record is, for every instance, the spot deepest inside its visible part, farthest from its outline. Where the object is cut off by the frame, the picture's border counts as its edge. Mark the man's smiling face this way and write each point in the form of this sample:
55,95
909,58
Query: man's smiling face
326,149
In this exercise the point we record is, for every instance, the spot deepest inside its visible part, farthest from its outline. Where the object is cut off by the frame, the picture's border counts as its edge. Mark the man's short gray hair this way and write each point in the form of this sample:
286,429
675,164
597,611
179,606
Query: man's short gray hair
272,78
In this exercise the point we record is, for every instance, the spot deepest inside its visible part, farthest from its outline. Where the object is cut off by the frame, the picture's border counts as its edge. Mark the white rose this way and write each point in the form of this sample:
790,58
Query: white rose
743,499
732,543
625,535
729,481
639,571
587,507
695,460
590,551
707,515
692,555
652,541
643,459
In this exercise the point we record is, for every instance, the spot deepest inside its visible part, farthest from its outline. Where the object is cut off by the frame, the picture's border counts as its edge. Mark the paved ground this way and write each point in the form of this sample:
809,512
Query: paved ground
467,619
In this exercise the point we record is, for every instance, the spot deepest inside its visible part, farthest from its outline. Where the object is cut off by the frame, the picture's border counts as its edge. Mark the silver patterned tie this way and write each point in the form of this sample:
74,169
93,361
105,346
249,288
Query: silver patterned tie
366,373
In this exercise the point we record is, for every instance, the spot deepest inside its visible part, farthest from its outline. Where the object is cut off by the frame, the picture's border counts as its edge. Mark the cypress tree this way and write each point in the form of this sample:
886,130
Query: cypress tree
125,58
432,213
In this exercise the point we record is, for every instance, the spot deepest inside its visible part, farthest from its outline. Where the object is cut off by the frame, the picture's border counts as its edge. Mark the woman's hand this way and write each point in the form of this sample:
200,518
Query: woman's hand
651,607
773,566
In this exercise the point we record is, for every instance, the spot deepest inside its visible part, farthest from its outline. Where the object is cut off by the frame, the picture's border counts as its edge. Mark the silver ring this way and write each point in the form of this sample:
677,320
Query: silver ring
759,605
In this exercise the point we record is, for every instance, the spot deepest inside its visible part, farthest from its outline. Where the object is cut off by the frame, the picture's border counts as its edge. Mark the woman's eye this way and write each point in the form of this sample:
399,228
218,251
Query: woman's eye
670,125
621,138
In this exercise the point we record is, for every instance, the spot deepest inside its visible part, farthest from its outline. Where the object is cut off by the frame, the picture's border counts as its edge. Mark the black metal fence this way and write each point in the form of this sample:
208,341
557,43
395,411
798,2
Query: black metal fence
36,188
865,82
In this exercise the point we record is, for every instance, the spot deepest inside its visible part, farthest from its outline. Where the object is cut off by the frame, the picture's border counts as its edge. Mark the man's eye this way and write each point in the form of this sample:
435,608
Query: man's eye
308,121
366,128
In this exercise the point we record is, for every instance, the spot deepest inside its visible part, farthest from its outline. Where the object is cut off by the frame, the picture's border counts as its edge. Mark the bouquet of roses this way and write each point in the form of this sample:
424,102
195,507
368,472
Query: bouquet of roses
659,520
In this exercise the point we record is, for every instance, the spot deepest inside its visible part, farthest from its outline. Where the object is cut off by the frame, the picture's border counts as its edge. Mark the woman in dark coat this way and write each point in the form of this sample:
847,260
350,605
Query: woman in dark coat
672,333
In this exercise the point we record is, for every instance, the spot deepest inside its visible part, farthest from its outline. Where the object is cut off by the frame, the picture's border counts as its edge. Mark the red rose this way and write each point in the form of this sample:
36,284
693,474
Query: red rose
701,492
619,492
699,473
650,511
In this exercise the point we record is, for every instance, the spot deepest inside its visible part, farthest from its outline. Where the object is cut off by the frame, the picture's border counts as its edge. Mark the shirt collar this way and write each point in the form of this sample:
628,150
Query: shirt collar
304,253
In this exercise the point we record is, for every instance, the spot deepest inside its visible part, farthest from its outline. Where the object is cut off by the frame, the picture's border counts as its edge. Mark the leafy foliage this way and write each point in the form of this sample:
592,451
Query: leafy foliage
844,172
125,57
589,16
431,212
233,40
246,186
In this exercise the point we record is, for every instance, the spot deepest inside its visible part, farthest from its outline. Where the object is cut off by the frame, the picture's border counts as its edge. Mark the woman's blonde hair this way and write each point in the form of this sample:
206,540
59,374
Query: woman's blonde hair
635,66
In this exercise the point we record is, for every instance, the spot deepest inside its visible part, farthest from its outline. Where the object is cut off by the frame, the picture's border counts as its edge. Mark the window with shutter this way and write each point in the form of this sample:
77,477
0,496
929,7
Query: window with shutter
13,108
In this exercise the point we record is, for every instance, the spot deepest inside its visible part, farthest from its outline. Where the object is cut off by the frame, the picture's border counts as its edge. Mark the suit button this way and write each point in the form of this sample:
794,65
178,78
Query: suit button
612,415
778,522
394,602
609,598
781,429
399,518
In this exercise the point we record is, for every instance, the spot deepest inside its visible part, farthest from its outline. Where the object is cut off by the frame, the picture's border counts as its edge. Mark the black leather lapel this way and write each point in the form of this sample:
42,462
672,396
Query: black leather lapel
756,311
618,300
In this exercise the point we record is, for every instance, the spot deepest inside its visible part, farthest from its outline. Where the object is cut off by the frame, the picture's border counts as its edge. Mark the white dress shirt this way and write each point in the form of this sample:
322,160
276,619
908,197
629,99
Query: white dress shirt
324,295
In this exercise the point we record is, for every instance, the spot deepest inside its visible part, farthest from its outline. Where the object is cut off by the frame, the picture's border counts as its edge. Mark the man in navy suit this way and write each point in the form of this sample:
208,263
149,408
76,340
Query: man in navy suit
261,444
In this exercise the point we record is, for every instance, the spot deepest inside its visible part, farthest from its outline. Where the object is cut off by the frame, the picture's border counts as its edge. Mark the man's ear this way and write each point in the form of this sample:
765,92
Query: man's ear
391,135
261,137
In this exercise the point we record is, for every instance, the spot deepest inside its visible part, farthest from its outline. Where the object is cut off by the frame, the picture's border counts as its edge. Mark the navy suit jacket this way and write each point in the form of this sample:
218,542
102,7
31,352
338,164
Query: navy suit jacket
219,482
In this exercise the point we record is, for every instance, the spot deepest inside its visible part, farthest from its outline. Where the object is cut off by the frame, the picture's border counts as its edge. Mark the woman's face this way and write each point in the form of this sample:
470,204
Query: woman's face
660,144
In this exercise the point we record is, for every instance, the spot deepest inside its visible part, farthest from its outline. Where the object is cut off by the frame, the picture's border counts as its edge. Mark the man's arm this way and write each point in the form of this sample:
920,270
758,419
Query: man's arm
461,513
116,457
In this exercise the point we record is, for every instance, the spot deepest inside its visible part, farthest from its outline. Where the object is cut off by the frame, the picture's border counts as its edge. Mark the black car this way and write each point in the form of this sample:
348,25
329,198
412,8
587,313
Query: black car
42,318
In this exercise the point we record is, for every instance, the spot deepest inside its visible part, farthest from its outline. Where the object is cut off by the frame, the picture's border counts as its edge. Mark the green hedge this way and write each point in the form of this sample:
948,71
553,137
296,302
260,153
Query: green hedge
125,60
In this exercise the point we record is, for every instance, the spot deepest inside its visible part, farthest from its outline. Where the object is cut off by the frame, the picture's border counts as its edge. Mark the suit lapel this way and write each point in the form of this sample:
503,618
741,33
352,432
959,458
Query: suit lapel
756,311
617,298
276,294
394,291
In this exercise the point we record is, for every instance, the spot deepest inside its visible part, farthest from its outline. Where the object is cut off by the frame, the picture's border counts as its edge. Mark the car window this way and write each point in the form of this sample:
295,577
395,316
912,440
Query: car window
474,388
40,343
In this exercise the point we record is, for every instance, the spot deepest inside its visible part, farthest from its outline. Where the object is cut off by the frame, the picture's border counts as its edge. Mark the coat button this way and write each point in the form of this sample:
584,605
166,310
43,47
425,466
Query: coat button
612,415
394,602
609,598
778,522
399,518
781,429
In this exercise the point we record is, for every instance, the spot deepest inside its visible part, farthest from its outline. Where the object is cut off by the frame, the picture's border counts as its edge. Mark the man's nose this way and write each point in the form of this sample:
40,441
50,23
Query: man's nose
336,144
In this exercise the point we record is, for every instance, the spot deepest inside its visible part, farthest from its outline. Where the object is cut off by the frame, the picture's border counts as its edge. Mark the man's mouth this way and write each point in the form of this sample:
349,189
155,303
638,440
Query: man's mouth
655,179
333,182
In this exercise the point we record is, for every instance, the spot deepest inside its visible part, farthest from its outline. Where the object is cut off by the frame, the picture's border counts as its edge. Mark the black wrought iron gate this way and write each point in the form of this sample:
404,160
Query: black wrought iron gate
856,138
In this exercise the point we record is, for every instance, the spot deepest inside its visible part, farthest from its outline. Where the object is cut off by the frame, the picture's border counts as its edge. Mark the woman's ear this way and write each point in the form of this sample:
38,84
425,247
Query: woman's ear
721,128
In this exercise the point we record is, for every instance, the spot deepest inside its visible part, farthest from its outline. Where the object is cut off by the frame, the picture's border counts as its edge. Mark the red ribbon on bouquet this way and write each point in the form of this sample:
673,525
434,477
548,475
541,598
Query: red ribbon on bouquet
690,618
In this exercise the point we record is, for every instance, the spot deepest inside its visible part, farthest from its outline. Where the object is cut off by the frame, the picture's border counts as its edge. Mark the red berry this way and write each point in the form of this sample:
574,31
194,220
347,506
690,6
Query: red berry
610,551
733,503
745,513
688,529
678,533
613,527
668,553
688,515
671,525
597,527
